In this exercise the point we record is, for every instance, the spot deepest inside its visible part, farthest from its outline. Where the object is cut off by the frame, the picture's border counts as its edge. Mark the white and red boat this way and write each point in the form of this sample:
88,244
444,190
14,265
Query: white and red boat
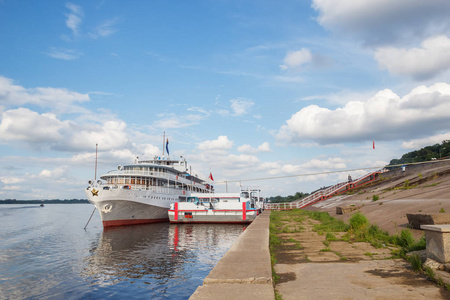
238,208
142,192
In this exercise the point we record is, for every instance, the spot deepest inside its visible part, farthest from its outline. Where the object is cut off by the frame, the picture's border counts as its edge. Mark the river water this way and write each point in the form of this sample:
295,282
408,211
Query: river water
46,254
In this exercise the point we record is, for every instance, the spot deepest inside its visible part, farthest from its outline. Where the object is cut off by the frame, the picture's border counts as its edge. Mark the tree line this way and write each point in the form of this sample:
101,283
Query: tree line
53,201
436,151
290,198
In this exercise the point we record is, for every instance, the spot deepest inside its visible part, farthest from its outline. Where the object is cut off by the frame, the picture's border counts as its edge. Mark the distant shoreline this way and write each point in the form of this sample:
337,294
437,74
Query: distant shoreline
55,201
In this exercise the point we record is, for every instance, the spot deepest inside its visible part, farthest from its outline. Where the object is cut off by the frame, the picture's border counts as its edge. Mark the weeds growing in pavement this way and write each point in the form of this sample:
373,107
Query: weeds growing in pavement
359,230
330,237
416,262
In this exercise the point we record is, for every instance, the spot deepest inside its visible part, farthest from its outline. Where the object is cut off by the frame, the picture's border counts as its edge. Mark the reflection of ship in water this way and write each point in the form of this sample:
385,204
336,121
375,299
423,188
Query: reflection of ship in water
125,253
182,237
158,256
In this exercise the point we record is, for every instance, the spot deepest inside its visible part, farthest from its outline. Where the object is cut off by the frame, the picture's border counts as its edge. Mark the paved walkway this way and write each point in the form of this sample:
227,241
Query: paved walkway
311,269
244,272
342,271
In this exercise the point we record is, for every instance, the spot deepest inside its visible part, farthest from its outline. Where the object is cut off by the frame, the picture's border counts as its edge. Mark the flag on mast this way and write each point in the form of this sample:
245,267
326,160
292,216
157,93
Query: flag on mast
210,176
167,146
373,144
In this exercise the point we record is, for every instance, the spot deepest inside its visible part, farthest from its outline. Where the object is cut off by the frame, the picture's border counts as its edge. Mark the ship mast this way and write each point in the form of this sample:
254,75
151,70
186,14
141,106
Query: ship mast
96,147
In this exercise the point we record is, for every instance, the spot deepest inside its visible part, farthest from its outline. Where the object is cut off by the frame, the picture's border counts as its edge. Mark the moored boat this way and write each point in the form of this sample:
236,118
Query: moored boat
235,208
142,192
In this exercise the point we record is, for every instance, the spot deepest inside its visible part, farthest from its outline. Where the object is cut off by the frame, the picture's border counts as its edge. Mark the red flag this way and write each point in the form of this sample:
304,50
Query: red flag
373,144
210,176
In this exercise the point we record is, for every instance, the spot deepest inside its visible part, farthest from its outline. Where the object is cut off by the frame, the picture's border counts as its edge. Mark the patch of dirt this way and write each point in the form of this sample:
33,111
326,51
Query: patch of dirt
285,277
405,276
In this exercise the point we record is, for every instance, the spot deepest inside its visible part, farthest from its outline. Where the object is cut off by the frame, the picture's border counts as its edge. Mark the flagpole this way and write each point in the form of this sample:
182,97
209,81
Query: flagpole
210,185
164,138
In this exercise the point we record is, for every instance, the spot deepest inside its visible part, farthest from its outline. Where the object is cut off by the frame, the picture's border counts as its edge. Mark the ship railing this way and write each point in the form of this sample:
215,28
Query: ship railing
154,189
173,189
161,175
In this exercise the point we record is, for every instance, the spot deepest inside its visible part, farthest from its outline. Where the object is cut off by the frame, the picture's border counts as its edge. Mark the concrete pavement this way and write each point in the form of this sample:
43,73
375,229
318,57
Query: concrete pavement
244,272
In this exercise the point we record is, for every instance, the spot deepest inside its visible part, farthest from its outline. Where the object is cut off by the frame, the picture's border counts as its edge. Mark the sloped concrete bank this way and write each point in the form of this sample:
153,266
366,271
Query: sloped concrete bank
244,272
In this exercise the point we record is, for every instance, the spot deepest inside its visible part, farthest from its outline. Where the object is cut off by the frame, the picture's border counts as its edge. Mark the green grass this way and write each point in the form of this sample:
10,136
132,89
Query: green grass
416,262
296,243
330,237
325,250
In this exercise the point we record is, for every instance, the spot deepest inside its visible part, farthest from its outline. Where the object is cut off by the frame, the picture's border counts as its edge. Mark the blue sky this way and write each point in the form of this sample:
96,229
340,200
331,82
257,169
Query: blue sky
243,89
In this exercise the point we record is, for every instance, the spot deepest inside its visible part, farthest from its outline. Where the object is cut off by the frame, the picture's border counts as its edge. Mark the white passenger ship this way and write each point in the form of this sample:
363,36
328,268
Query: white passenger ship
142,192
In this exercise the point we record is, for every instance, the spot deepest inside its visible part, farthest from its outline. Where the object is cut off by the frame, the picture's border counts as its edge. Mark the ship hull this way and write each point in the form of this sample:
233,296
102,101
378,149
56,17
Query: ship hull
125,212
120,208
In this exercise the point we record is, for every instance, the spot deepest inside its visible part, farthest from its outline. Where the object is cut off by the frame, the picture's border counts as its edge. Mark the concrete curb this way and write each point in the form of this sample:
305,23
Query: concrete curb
244,272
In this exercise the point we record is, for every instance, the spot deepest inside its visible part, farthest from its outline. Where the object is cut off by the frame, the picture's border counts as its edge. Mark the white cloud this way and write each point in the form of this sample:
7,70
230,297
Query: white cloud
47,130
341,97
199,109
221,143
241,106
420,63
74,18
332,163
379,22
11,180
313,166
25,125
110,135
55,98
295,60
420,143
264,147
10,188
289,79
64,54
55,173
173,121
105,29
386,116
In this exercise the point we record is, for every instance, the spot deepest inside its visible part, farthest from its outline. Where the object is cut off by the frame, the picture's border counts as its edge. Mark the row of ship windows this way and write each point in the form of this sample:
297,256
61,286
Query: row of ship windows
154,197
150,169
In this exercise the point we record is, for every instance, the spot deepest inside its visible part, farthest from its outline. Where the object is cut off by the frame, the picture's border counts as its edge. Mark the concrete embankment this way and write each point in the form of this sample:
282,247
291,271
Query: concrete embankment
244,272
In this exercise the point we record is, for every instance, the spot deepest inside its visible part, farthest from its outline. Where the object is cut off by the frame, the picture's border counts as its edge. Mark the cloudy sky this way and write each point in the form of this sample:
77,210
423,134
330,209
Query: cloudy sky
243,89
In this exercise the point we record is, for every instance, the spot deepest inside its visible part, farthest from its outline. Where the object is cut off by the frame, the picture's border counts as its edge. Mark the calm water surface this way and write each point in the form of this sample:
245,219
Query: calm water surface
46,254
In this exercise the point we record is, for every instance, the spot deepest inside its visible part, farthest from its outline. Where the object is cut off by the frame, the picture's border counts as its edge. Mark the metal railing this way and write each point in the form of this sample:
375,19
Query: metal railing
324,193
154,189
